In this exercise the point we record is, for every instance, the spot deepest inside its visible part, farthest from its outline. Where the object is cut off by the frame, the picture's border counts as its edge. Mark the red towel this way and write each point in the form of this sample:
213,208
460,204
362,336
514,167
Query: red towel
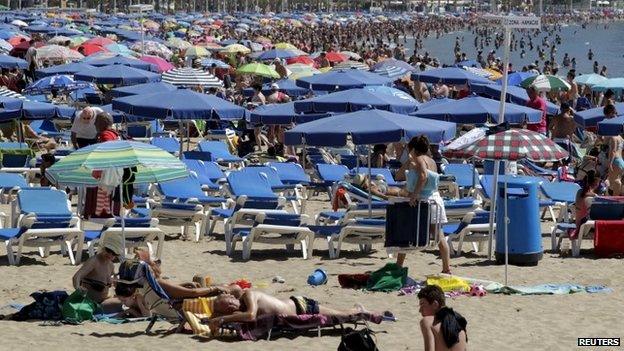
609,238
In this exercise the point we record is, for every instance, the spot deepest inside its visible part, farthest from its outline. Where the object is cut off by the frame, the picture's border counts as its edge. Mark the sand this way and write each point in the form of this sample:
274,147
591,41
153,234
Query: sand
495,322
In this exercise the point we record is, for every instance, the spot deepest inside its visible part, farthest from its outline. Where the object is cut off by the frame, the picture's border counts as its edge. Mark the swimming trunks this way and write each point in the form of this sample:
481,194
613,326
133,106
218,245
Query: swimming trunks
305,305
618,162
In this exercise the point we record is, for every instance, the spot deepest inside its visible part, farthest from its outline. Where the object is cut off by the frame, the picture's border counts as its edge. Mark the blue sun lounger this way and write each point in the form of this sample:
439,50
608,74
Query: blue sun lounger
169,144
42,218
219,152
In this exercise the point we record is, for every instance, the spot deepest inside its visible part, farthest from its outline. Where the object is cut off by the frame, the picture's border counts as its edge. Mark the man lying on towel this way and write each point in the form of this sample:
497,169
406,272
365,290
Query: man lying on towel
253,304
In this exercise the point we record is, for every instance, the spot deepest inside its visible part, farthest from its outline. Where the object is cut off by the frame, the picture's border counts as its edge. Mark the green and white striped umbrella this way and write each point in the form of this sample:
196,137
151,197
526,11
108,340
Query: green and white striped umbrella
154,165
544,82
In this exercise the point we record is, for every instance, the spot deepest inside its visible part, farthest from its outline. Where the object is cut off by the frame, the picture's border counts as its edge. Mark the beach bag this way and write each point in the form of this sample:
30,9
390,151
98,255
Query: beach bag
357,340
391,277
47,307
79,307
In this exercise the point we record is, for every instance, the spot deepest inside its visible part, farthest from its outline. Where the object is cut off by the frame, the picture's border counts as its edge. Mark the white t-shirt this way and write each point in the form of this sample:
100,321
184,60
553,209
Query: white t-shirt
85,130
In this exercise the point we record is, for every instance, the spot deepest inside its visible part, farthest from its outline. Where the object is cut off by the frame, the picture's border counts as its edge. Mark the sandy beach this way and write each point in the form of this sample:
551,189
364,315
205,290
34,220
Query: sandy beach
495,322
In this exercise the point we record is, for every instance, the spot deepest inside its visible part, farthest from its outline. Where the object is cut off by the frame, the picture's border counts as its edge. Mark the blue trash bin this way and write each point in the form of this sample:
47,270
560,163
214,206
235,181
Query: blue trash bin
524,230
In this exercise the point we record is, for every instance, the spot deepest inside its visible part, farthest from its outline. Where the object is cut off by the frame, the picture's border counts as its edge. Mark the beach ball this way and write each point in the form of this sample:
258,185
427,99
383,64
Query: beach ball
477,290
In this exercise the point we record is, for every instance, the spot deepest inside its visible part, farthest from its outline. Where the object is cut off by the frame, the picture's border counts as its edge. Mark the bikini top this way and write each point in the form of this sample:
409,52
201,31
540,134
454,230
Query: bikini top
431,186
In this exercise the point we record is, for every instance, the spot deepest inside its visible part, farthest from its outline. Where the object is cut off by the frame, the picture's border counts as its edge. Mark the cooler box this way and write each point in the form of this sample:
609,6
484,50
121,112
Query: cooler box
524,230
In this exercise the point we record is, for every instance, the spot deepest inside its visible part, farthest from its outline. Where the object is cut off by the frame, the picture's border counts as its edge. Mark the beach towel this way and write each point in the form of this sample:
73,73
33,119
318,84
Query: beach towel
609,238
390,277
449,283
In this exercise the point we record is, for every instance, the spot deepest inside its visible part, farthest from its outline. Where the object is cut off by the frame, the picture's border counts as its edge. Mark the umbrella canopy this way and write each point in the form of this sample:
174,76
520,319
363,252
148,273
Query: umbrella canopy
342,80
57,52
120,49
178,43
143,89
516,78
234,48
35,110
285,46
478,110
119,60
615,84
154,165
100,41
258,69
56,82
277,53
180,104
90,49
381,98
196,51
117,74
154,48
545,82
10,102
161,64
514,95
513,145
449,75
191,77
590,79
59,39
591,117
334,57
391,71
11,62
300,70
367,127
351,65
306,60
611,127
69,68
208,62
391,62
282,114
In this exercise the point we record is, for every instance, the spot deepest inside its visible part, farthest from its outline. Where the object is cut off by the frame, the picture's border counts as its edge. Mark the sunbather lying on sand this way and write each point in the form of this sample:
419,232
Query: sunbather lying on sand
142,300
252,304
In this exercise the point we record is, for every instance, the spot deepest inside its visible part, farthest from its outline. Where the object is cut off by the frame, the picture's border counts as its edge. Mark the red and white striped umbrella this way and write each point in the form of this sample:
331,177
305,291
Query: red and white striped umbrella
512,145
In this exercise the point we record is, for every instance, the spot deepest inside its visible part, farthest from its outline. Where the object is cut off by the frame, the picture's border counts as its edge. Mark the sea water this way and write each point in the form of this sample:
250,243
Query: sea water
606,44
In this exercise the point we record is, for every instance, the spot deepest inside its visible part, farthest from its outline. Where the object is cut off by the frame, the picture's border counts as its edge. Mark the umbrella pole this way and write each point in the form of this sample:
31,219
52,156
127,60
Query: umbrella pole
123,222
506,233
181,134
493,207
370,181
188,136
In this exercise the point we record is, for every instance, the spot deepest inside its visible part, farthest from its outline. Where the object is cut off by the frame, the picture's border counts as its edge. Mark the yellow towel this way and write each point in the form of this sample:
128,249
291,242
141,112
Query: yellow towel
448,283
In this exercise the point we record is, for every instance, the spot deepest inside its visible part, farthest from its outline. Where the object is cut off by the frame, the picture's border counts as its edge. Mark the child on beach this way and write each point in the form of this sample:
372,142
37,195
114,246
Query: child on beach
441,327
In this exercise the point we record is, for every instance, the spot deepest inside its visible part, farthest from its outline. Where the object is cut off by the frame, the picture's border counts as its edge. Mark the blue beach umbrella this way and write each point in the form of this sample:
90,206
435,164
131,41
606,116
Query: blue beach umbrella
119,60
611,127
59,82
367,127
616,84
449,75
11,62
282,114
516,95
180,104
69,68
143,89
478,110
117,74
277,53
591,117
516,78
342,80
381,98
